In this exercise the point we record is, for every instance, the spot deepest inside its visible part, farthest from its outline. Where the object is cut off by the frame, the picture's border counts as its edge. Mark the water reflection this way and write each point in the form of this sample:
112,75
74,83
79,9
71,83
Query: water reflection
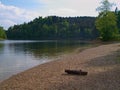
16,56
1,48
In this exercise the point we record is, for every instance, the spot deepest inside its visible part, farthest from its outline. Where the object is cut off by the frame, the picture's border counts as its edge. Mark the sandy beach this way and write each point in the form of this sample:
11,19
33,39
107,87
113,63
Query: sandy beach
101,62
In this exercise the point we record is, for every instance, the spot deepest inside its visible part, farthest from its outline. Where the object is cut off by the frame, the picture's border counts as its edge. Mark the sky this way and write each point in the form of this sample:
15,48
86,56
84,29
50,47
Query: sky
14,12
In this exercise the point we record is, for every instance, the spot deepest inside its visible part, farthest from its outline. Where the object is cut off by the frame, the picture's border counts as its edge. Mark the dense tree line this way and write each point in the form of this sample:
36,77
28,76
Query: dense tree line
2,33
53,27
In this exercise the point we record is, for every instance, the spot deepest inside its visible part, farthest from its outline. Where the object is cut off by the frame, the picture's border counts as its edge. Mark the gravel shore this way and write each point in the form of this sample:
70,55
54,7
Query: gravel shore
102,64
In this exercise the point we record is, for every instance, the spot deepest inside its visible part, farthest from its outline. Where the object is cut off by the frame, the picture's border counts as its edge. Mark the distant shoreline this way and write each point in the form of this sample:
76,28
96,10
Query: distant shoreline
98,61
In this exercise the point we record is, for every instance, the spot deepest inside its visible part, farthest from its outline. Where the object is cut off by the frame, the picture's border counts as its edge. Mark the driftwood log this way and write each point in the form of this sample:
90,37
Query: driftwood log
76,72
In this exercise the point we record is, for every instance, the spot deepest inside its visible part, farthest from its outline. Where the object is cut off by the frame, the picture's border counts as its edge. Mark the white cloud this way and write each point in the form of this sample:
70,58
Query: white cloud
62,12
10,15
7,23
51,7
81,7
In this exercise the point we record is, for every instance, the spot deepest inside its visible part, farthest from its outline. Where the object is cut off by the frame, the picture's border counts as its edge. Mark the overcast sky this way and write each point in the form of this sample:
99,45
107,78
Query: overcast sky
18,11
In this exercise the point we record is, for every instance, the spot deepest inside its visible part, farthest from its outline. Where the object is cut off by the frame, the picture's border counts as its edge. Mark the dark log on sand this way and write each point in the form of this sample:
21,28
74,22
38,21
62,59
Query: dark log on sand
76,72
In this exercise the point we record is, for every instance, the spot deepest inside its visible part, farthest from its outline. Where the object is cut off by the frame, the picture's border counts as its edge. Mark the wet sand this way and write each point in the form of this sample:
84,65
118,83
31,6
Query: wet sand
102,64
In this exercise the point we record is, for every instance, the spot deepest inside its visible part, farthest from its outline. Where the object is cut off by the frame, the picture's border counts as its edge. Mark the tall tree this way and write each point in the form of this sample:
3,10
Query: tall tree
106,22
105,6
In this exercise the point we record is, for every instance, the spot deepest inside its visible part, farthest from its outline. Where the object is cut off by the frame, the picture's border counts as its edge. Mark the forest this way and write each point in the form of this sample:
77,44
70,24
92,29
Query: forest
55,28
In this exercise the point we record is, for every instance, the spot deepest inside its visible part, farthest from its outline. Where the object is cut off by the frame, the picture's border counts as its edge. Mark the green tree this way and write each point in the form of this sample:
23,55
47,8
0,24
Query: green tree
2,33
118,20
106,22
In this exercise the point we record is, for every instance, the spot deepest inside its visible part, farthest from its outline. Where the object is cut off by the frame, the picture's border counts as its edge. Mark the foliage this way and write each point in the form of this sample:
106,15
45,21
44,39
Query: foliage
2,33
107,26
118,20
106,22
53,27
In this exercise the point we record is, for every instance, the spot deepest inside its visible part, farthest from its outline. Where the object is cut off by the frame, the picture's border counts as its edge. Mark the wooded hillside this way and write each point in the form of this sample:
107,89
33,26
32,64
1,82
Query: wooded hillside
53,27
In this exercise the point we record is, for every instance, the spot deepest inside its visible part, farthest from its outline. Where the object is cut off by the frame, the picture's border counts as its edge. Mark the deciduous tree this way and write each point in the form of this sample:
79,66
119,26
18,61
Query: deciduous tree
106,22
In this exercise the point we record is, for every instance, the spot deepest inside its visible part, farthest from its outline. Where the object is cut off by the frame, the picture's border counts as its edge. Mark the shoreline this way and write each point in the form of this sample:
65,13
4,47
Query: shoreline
51,59
51,76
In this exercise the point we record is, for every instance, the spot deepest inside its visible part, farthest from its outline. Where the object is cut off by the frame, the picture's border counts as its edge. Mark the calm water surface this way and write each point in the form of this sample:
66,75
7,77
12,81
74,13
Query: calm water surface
17,56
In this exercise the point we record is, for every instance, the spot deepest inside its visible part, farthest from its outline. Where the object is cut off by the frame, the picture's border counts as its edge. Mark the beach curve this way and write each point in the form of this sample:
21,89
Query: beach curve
98,61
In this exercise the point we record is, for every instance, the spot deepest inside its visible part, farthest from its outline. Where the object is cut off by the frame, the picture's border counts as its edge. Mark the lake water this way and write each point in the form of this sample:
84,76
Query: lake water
17,56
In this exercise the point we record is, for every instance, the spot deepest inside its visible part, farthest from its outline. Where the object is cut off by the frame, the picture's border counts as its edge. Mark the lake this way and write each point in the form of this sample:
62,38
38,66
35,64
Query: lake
19,55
